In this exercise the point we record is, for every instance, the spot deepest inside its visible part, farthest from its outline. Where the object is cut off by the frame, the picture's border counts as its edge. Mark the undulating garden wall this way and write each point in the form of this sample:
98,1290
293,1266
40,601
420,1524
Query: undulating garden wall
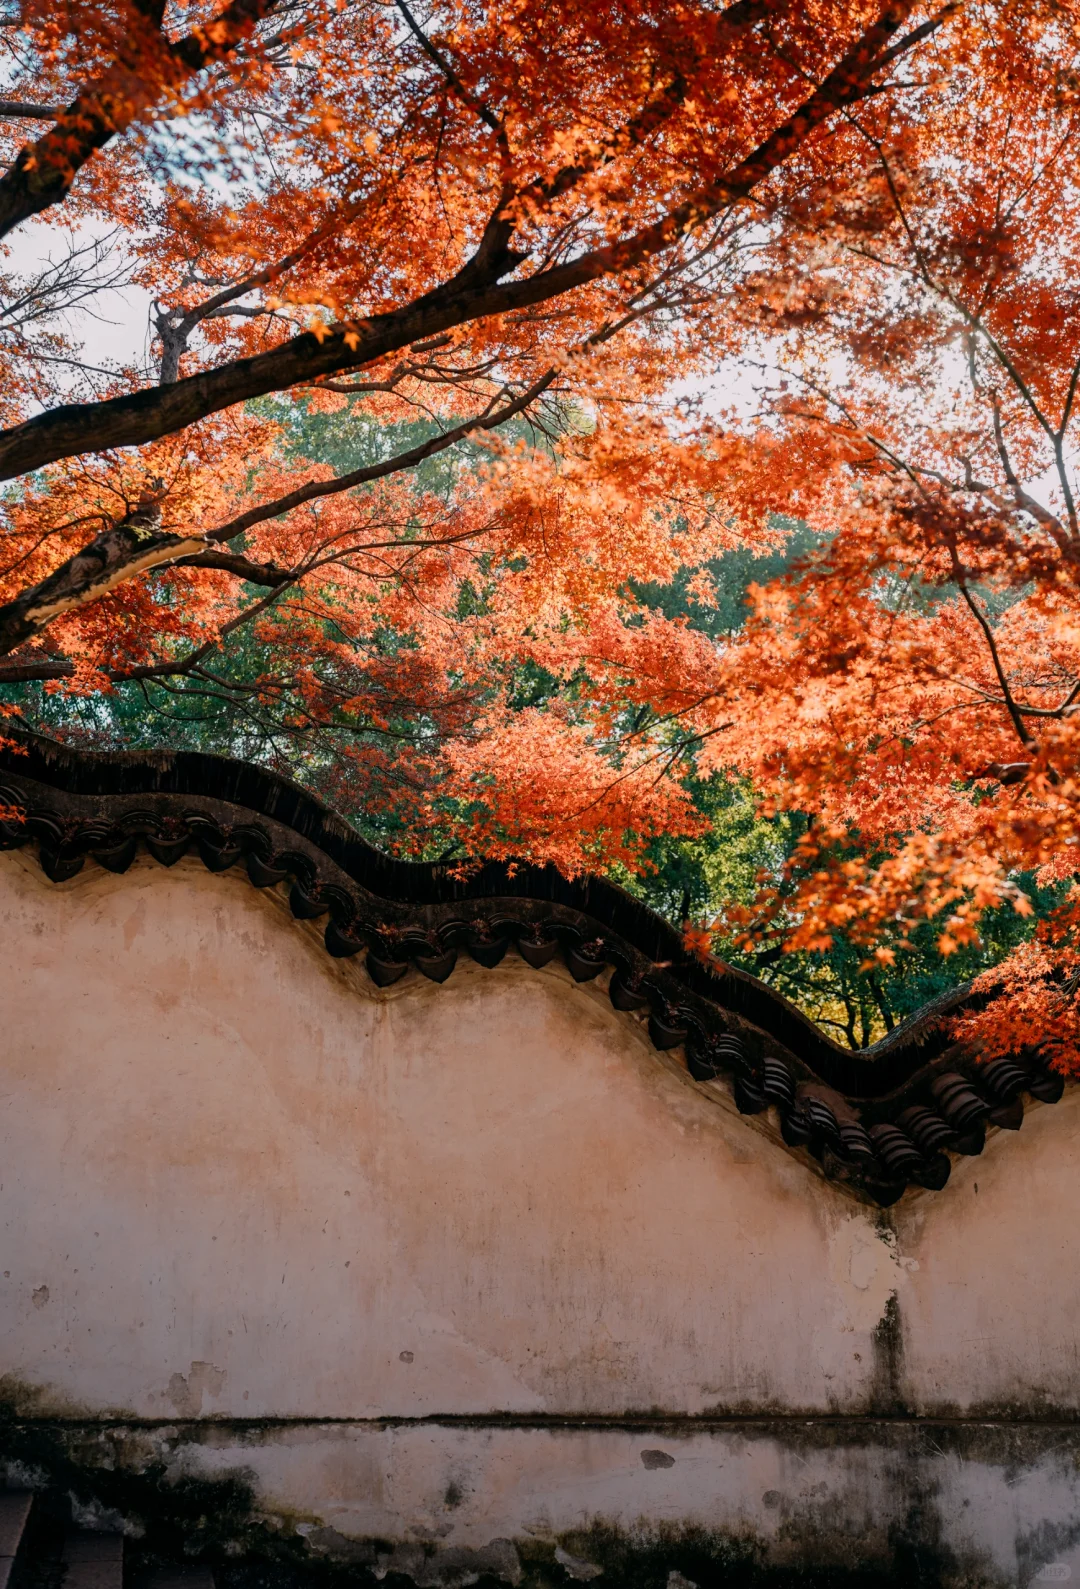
392,1258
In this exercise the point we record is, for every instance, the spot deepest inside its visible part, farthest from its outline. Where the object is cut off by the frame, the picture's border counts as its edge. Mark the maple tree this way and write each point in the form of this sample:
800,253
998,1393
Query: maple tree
446,305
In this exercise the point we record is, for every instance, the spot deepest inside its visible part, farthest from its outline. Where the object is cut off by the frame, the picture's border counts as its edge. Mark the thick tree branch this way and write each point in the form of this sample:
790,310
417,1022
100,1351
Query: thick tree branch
130,547
81,577
29,671
21,109
147,415
35,672
153,67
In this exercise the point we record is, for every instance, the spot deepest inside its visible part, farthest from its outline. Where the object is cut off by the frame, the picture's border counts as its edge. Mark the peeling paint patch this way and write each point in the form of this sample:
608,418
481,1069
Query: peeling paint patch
866,1269
186,1392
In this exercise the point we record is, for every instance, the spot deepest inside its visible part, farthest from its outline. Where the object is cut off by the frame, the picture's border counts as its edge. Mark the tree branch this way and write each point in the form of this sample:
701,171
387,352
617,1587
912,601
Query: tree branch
32,672
489,420
1015,716
110,560
271,574
434,54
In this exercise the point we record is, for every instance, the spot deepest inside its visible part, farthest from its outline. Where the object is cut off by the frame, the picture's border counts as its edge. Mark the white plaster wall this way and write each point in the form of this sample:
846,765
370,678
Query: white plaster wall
239,1183
236,1180
991,1303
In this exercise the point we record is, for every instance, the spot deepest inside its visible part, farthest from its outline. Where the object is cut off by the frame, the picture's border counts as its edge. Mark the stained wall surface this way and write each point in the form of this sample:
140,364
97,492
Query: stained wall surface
480,1241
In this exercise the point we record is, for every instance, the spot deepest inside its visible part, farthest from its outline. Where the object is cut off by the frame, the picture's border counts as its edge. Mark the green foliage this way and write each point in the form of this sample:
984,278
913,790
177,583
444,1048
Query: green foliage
349,439
732,575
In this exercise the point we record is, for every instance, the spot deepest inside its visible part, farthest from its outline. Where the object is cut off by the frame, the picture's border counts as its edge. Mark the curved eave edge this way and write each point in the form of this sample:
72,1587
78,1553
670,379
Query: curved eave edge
877,1122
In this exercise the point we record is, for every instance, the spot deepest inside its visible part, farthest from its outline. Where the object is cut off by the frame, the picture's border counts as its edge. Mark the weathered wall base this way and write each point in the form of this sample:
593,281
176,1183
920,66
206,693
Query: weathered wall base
903,1501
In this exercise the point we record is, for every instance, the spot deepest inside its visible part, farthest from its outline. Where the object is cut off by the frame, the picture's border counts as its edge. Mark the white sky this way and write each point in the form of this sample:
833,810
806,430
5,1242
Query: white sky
114,330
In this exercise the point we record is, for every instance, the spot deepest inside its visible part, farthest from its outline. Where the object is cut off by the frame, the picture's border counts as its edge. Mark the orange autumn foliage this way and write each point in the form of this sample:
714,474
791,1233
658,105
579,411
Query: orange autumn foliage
670,270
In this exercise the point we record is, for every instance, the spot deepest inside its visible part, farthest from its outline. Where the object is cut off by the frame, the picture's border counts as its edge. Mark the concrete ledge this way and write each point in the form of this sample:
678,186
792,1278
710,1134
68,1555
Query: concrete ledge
890,1501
